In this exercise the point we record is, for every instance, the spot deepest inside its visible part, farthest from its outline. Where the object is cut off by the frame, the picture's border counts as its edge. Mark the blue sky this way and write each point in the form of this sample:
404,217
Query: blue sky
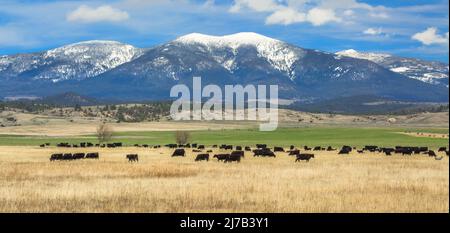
413,28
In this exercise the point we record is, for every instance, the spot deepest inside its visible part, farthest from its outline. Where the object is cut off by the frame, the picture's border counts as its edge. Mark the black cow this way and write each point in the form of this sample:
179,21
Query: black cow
201,147
133,157
317,148
238,152
54,157
431,153
179,152
345,150
360,151
330,148
196,151
42,145
78,156
261,146
307,148
238,147
291,147
67,156
441,149
294,152
202,157
92,155
221,157
305,157
278,149
171,146
247,148
233,158
264,152
370,148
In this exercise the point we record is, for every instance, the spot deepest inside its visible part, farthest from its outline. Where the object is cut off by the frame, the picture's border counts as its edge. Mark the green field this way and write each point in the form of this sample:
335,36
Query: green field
313,136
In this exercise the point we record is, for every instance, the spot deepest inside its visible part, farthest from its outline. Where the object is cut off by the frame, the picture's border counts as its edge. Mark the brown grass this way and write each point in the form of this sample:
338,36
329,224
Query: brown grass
159,183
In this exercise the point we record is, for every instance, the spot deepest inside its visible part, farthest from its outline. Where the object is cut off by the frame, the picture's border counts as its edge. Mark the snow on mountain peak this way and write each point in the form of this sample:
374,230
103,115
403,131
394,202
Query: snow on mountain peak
281,55
375,57
233,40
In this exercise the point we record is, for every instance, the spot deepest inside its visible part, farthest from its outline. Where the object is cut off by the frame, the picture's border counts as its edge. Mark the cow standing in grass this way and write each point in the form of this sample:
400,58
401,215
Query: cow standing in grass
133,157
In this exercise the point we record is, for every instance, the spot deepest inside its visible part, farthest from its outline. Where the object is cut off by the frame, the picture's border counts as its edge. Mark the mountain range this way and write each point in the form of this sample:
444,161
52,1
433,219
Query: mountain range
113,70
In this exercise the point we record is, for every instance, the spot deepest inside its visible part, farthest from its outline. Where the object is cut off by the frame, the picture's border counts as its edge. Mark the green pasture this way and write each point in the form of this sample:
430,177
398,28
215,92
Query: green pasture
313,136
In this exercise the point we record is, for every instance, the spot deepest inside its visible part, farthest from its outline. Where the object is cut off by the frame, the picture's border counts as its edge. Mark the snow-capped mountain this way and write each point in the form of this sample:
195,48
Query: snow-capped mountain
72,62
118,71
430,72
280,55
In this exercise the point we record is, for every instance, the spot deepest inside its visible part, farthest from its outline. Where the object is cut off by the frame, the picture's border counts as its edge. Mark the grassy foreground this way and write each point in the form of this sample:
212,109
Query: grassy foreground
284,137
158,183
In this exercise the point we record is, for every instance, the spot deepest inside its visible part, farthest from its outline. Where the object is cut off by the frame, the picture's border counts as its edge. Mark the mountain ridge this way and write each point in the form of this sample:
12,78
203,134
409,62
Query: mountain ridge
243,58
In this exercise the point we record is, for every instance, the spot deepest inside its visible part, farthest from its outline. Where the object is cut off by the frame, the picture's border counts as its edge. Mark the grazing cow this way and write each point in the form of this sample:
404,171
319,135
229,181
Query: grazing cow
110,145
196,151
209,151
278,149
261,146
431,153
233,158
42,145
317,148
291,147
345,150
92,155
360,151
145,146
264,152
294,152
214,146
67,156
194,145
221,157
247,148
329,148
307,148
179,152
305,157
54,157
238,147
89,144
441,149
133,157
370,148
201,147
202,157
78,156
171,146
238,152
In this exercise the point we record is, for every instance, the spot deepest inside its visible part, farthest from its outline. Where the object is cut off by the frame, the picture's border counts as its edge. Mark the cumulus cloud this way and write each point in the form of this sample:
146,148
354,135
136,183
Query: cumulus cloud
288,12
430,36
255,5
286,16
318,16
104,13
373,31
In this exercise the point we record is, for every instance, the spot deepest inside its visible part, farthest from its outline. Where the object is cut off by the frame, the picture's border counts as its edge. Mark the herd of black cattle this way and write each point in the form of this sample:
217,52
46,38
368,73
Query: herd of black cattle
237,153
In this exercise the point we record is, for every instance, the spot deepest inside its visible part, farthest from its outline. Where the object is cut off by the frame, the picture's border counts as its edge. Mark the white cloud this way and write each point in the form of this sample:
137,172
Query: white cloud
286,16
104,13
380,15
255,5
430,36
373,31
318,16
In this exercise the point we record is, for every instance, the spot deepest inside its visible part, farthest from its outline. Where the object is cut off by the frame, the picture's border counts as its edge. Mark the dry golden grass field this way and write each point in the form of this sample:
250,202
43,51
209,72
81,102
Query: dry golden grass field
158,183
